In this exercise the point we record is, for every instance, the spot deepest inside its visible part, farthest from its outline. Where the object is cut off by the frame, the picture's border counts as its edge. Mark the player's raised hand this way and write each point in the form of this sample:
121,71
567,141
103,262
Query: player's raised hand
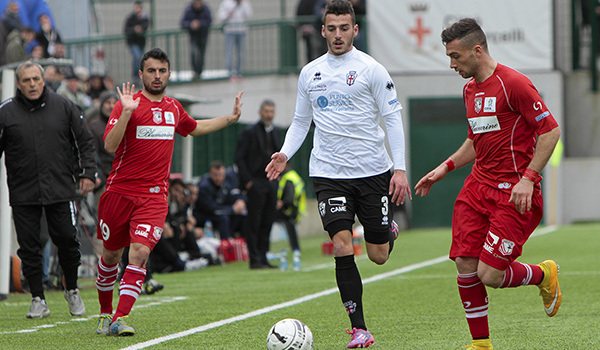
276,165
237,106
126,96
424,185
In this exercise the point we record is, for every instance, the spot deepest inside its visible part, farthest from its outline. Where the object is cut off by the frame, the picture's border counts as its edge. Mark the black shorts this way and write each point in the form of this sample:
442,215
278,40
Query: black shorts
341,199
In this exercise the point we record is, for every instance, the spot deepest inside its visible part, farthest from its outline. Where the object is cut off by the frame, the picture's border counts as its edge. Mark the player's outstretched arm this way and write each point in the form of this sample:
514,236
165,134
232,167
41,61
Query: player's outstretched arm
276,165
206,126
463,156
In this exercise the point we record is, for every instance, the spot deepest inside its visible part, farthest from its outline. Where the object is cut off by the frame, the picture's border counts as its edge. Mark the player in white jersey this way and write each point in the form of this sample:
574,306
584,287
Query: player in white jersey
347,94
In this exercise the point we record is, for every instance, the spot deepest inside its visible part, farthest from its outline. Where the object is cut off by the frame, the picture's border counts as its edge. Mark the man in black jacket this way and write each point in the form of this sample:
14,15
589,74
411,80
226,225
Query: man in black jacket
223,205
49,152
252,155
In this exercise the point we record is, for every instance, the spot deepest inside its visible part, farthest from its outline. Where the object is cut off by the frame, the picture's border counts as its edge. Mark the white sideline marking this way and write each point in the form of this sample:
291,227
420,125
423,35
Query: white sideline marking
409,268
282,305
85,319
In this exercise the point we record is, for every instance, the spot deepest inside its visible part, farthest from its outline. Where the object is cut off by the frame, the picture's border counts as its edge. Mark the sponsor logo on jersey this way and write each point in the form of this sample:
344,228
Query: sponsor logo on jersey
484,124
149,132
157,117
337,204
490,241
351,77
478,103
157,233
504,185
322,101
155,189
169,118
506,247
389,85
317,76
391,102
113,121
489,105
317,87
542,116
142,230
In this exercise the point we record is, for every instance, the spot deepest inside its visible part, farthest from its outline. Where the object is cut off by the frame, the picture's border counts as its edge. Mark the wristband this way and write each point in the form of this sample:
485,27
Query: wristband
532,175
450,163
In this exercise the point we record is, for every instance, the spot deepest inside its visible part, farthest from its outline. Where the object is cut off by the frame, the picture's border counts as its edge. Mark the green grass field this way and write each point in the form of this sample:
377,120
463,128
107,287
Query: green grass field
411,302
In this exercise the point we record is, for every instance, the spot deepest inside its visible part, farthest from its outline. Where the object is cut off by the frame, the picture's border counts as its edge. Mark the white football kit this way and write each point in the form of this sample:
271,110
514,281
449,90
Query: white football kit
347,97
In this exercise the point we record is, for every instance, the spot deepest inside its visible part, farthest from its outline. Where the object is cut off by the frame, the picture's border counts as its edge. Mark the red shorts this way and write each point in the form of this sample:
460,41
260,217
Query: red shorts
486,226
124,219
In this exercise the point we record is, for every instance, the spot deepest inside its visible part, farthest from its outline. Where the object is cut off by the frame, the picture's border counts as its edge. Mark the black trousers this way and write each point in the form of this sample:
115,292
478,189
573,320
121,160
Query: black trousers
262,198
62,221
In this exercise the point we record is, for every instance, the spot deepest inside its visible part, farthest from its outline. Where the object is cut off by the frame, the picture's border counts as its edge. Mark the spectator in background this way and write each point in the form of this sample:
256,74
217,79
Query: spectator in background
97,127
234,14
29,11
96,88
291,205
71,89
47,36
196,20
136,25
43,137
308,29
11,19
53,77
15,47
255,146
225,207
19,44
37,52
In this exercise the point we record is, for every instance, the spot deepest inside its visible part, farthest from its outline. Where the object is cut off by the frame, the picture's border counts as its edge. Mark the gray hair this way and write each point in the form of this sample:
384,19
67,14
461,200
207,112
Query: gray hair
28,64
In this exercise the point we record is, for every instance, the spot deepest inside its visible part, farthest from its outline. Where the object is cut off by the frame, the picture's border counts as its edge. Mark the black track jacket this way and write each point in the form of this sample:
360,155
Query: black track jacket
47,147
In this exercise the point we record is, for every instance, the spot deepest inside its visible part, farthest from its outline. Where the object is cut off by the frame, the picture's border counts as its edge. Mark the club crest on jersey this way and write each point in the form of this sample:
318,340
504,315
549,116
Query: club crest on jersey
351,77
506,247
157,117
478,103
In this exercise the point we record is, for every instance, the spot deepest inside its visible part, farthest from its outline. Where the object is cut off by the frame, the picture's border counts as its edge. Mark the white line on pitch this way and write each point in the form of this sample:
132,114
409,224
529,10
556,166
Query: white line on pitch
303,299
282,305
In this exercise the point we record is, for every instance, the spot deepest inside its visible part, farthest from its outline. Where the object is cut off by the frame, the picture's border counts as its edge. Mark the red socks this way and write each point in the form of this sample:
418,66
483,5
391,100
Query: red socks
130,289
475,302
518,274
105,284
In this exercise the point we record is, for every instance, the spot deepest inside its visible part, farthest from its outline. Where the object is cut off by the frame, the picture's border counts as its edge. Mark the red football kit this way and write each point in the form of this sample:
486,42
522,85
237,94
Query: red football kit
505,115
134,206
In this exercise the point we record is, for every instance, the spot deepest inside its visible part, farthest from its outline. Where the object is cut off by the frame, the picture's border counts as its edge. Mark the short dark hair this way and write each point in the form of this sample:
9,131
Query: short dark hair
338,8
267,102
216,164
157,54
466,29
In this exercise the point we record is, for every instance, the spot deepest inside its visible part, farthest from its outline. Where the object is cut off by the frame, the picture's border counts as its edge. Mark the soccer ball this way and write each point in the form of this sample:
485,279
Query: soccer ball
289,334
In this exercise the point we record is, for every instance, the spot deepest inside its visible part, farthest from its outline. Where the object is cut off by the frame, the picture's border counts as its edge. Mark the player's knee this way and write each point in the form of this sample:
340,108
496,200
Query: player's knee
379,259
489,279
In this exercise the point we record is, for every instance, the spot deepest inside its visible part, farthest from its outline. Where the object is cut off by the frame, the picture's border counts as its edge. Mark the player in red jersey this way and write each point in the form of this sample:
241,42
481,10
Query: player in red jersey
132,211
512,135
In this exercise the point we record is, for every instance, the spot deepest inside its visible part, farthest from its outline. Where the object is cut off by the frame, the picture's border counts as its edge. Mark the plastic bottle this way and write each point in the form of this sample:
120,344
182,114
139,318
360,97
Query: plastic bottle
283,264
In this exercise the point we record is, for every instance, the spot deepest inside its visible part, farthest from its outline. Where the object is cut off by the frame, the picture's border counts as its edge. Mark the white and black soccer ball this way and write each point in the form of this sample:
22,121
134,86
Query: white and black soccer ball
290,334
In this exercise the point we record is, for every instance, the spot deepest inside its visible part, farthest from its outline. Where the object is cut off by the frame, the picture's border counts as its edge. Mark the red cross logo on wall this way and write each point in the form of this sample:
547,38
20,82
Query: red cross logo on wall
419,31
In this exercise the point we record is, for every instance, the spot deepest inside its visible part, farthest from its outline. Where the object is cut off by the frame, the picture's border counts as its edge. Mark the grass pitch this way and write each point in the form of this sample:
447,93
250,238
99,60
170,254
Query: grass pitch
411,302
